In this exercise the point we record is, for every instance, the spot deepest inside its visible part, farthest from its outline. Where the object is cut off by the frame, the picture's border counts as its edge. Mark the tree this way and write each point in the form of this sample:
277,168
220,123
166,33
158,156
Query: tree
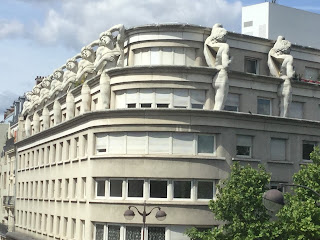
239,205
300,217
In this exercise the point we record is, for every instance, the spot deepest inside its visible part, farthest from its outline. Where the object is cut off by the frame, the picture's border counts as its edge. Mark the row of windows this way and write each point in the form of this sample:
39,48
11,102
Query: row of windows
50,224
54,153
117,232
155,189
69,188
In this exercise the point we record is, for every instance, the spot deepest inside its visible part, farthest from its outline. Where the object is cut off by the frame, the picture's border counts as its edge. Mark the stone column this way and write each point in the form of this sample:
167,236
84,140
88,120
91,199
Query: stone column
70,106
104,101
36,123
57,112
46,118
86,98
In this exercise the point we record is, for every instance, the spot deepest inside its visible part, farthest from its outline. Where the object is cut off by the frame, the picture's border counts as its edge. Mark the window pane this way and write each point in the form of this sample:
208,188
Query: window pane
205,144
101,188
278,149
158,189
198,97
182,189
180,98
296,110
132,96
136,142
156,233
205,190
116,143
146,96
182,143
251,65
133,233
155,56
232,103
244,144
135,188
307,149
120,99
163,96
113,232
99,232
115,188
101,142
159,142
264,106
311,73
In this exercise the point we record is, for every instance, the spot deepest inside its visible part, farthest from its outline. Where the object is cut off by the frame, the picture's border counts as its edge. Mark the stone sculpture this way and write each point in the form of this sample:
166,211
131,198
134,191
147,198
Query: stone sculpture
216,52
70,75
280,64
44,92
109,54
56,82
86,69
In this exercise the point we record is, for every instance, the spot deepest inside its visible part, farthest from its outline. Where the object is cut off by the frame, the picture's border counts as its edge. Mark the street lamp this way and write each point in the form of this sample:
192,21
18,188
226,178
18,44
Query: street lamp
129,215
273,199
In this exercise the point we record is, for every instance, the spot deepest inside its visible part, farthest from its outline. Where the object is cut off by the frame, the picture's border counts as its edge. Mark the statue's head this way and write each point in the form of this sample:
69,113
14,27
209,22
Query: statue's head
58,74
28,95
219,33
46,82
71,63
87,52
282,45
36,89
106,38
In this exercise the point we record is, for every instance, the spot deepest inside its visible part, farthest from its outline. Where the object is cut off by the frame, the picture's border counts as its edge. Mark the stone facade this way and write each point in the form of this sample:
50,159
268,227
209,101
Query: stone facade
133,119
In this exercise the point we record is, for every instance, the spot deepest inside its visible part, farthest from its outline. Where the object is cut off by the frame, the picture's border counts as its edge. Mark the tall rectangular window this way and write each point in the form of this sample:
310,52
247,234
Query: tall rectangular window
163,98
198,98
180,98
100,188
146,98
131,98
117,143
99,232
296,110
307,148
182,189
156,233
264,106
136,142
101,142
205,144
115,188
114,232
278,149
232,103
135,188
133,233
182,143
159,142
205,190
244,145
251,65
158,189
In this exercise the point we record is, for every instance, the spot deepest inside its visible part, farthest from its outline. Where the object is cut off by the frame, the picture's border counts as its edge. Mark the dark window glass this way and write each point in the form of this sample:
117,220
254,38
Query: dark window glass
156,233
307,149
115,188
99,232
135,188
162,105
131,105
205,144
133,233
231,108
145,105
158,189
101,188
182,189
113,232
264,106
205,190
197,106
251,65
243,150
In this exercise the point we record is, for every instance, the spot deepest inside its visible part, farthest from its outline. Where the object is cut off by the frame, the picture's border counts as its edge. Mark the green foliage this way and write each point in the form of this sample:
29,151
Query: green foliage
239,205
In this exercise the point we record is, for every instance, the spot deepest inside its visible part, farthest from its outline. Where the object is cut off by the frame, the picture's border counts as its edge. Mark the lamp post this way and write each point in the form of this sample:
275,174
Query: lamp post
129,215
273,199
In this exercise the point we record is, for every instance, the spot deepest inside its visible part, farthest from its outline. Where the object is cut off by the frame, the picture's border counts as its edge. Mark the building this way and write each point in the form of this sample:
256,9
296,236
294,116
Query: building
7,166
157,114
269,20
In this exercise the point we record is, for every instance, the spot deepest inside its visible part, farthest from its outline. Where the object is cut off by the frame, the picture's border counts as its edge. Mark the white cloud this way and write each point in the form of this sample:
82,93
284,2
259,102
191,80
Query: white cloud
79,22
7,99
10,28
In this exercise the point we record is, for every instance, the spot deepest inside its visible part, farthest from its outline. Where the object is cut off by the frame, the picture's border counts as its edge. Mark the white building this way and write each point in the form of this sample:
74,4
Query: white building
269,20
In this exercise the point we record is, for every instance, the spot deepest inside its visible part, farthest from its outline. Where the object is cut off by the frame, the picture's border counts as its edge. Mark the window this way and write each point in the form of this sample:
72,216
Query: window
115,188
66,188
244,145
83,187
146,98
156,233
311,74
131,98
159,142
101,142
117,143
296,110
232,103
198,98
59,188
133,233
307,149
182,189
73,228
264,106
114,232
248,24
99,232
180,98
205,190
100,188
135,188
182,143
158,189
163,98
205,144
251,65
278,149
74,190
136,142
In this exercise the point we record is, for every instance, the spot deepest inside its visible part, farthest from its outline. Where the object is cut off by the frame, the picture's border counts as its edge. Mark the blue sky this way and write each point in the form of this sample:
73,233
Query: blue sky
38,36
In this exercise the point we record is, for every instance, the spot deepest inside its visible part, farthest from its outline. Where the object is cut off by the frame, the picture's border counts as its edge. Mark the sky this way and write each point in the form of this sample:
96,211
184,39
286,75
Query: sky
38,36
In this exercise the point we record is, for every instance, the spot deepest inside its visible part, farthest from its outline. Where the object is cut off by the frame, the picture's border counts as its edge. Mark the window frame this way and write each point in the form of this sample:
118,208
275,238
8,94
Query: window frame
191,189
270,108
96,188
149,189
143,189
214,144
257,64
213,189
123,188
250,154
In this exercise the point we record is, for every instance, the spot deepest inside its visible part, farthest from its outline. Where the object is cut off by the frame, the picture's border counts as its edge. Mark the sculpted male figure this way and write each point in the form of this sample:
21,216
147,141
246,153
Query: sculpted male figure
69,76
280,64
44,92
86,69
56,82
216,52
